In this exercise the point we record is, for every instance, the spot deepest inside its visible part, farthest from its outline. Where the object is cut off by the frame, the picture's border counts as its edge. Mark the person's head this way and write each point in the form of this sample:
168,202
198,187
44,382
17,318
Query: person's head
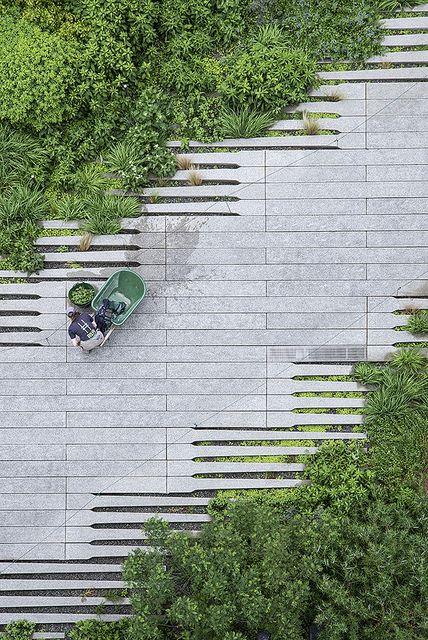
73,314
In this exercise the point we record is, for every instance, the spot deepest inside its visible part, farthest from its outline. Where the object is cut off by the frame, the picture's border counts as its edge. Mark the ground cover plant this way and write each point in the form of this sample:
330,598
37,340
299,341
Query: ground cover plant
344,555
93,89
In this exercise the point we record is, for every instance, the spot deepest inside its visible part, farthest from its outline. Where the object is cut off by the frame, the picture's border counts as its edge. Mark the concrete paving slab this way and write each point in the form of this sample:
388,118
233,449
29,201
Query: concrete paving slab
323,233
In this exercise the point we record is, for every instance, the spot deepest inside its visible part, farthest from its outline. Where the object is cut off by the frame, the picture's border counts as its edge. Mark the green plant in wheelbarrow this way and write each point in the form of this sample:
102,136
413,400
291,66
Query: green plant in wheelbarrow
82,294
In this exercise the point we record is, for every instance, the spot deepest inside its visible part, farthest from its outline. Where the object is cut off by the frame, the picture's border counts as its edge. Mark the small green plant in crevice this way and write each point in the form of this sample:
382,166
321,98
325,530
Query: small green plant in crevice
421,345
418,323
335,95
195,179
63,249
155,197
329,394
327,378
339,410
57,233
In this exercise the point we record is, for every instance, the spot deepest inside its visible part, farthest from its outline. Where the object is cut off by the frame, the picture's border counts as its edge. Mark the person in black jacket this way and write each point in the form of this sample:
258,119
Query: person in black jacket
83,331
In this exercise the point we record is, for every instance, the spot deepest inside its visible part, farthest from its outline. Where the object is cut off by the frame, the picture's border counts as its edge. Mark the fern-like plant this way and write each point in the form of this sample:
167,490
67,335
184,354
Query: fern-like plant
245,123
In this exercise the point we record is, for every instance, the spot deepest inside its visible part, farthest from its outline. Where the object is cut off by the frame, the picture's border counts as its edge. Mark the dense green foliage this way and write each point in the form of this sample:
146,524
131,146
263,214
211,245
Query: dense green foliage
19,630
105,83
346,551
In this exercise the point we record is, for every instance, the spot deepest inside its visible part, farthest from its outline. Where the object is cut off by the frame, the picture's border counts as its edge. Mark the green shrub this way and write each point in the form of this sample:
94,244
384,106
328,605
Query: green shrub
338,31
98,630
19,630
40,73
268,78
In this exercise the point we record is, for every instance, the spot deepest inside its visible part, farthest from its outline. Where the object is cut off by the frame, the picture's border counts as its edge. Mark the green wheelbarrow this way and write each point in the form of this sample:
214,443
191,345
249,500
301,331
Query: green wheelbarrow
122,286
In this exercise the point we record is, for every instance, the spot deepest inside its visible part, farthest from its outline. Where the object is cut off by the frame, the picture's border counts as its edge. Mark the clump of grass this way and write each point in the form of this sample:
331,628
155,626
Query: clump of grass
184,163
195,179
335,95
411,359
85,241
409,310
367,373
104,212
154,198
311,126
418,323
70,207
245,123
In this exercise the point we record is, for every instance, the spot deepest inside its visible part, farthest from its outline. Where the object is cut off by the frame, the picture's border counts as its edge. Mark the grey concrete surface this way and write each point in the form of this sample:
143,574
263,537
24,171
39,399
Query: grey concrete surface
311,246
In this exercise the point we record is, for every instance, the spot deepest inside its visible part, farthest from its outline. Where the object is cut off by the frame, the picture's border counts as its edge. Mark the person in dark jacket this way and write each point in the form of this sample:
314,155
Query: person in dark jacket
83,330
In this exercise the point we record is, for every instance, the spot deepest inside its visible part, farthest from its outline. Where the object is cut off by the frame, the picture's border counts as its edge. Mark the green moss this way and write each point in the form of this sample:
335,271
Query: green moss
329,394
56,233
339,410
283,459
422,344
335,378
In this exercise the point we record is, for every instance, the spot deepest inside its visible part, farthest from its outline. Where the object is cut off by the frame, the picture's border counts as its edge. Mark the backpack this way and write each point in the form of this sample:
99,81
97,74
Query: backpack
107,312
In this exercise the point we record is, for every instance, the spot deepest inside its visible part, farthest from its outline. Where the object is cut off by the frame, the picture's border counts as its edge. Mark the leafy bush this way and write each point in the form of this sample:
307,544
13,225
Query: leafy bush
98,630
331,30
39,70
268,78
19,630
116,79
344,551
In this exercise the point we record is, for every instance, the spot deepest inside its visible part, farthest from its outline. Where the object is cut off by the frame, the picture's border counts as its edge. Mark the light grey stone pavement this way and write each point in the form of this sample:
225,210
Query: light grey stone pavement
291,265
